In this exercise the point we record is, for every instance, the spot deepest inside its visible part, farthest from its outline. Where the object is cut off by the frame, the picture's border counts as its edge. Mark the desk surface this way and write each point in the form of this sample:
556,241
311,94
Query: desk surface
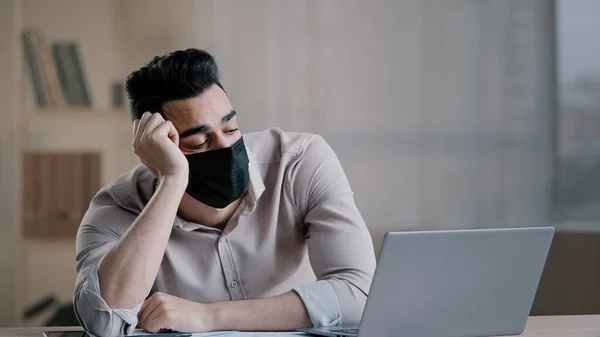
549,326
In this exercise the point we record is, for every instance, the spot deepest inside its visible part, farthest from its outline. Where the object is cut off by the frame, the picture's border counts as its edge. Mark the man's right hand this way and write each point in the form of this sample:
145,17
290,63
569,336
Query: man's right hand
156,142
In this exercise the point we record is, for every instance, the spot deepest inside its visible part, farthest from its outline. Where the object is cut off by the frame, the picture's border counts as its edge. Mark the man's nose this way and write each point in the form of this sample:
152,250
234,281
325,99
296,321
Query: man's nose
220,141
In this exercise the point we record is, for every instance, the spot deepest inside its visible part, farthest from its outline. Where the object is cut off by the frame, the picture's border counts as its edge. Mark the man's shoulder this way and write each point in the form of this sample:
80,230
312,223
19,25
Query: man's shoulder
271,145
116,205
132,190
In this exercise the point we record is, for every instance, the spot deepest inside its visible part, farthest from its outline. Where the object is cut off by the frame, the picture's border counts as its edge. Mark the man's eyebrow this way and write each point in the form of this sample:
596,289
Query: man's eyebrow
205,127
228,117
190,132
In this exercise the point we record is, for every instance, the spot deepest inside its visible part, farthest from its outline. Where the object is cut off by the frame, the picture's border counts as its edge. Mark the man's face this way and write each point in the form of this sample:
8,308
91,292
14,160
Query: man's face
204,123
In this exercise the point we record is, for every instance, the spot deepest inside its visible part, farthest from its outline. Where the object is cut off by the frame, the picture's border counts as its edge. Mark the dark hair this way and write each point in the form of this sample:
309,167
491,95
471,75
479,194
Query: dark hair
178,75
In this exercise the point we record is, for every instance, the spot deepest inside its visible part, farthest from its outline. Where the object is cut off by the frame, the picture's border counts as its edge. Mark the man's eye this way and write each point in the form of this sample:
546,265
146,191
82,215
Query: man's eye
197,147
231,131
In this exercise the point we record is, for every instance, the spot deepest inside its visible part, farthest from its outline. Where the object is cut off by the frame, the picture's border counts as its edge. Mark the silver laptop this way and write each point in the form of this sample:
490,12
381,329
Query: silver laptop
457,283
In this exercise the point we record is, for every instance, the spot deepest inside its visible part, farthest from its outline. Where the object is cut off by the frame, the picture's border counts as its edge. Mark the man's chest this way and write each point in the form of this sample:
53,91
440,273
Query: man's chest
256,258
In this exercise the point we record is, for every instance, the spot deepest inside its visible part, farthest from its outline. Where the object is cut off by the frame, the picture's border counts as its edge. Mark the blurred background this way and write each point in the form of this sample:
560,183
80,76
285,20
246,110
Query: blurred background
444,114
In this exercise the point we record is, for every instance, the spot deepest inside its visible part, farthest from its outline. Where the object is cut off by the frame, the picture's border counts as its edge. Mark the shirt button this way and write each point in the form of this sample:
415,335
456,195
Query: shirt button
234,284
221,240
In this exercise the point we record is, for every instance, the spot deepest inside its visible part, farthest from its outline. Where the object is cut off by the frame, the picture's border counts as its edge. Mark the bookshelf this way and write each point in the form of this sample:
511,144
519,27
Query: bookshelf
108,37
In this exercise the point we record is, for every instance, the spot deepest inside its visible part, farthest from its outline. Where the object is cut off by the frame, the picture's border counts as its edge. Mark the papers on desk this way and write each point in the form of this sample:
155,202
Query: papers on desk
226,334
248,334
138,332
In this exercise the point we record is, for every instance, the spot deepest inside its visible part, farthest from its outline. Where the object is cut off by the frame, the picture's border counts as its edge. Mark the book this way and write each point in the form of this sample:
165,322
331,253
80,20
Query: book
49,72
33,65
80,75
71,74
67,81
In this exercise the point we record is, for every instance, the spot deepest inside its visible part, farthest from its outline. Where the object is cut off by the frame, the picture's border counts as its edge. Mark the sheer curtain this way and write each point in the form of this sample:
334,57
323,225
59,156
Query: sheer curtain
440,111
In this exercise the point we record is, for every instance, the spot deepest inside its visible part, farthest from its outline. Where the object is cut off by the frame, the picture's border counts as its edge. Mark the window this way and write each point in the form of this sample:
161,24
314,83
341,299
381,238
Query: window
577,180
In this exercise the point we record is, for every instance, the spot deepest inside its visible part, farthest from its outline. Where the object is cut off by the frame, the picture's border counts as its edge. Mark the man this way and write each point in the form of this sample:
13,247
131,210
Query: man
223,232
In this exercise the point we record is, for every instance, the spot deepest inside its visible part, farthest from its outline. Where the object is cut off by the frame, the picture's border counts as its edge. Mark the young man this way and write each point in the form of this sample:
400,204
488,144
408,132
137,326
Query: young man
216,231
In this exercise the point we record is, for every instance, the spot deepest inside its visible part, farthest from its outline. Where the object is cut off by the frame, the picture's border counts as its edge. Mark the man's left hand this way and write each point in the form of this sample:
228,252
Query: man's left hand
162,312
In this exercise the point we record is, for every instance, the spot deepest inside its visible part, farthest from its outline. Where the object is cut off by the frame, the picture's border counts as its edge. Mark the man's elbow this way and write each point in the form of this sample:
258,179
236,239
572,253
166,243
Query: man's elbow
100,323
352,312
93,321
352,301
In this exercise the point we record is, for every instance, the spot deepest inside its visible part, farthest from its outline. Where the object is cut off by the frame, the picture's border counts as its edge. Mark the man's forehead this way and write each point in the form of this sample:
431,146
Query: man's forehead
183,107
186,108
194,110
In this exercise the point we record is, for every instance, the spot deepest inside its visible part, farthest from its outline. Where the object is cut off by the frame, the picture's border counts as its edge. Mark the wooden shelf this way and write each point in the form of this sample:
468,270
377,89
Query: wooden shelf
77,130
71,112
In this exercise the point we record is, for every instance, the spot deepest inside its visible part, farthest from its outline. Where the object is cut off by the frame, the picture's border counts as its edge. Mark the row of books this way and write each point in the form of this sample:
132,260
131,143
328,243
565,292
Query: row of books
57,189
56,72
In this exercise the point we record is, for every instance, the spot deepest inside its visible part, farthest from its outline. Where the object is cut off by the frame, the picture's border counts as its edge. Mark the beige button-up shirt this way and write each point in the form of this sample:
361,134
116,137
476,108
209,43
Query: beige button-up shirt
297,229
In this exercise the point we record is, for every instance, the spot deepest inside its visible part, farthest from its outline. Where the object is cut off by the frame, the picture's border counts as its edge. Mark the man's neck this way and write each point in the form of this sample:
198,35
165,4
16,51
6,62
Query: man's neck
194,211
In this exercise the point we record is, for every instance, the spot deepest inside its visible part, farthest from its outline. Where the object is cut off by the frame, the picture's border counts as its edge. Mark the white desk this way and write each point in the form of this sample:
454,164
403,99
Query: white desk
545,326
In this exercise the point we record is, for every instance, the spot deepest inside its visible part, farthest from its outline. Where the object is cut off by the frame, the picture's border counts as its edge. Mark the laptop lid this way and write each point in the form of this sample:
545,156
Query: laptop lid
458,283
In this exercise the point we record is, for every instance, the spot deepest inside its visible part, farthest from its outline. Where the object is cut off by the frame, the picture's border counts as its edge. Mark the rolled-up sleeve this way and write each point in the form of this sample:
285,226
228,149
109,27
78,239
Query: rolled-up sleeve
95,315
340,247
95,238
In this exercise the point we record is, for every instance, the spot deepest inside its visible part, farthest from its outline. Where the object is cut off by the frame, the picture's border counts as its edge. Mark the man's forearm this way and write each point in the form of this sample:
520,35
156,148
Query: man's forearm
128,271
280,313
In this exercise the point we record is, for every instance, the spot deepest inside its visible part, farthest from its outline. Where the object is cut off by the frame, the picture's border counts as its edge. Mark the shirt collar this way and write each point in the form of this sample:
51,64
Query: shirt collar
257,185
248,204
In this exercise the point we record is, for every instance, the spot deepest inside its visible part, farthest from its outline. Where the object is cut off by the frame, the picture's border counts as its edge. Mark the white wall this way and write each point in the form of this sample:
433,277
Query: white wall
9,158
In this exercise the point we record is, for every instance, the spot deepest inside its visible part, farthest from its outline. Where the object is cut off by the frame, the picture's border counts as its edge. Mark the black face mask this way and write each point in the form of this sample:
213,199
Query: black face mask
219,177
